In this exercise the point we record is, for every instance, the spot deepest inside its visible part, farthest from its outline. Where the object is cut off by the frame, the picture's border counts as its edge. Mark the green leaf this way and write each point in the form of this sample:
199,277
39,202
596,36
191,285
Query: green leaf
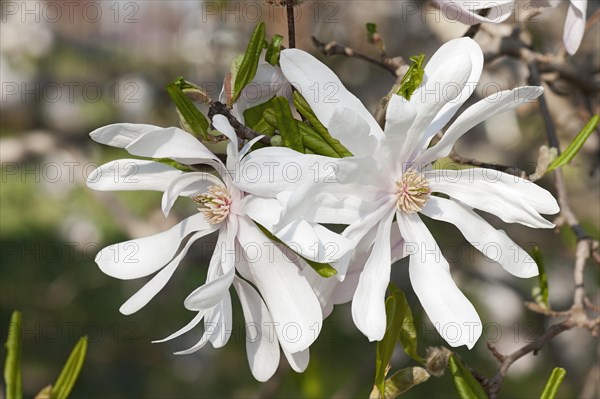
413,77
323,269
173,164
371,30
249,64
12,364
400,326
557,377
308,114
540,293
287,125
254,118
273,50
401,381
466,385
575,145
192,117
68,376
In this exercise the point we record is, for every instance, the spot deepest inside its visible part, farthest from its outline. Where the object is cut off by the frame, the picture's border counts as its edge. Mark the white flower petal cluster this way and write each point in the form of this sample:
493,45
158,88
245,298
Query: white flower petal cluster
384,189
380,193
279,304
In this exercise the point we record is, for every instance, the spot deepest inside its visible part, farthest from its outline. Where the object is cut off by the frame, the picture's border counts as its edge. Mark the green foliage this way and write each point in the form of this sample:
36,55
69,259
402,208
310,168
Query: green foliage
254,118
553,383
466,385
328,141
413,77
575,145
68,376
287,125
249,64
273,50
540,293
191,116
174,164
12,364
400,327
371,30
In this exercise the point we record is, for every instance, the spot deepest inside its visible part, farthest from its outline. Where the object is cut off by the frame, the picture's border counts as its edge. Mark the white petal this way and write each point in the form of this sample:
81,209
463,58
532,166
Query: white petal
262,346
220,323
188,184
352,131
171,143
120,135
466,47
157,283
453,316
268,82
299,360
495,244
221,123
474,115
193,323
290,299
368,304
321,88
511,198
132,174
269,171
442,87
144,256
575,25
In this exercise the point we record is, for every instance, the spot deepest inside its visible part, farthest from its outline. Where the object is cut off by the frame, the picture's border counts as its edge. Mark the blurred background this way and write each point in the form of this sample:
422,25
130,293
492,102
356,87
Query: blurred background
70,67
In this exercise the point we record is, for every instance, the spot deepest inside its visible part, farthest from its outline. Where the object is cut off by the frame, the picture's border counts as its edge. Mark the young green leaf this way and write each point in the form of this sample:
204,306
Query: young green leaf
466,385
540,293
308,114
575,145
401,381
12,364
254,115
413,77
287,125
249,64
399,327
192,117
273,50
68,376
553,383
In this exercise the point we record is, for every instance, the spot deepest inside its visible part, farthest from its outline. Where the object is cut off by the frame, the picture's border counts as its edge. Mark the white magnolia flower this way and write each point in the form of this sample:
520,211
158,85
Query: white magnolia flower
574,24
285,300
390,176
467,11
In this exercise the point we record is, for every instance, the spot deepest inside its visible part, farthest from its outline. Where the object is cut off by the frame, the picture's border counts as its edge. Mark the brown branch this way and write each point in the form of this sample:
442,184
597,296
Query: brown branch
392,65
243,132
291,24
457,158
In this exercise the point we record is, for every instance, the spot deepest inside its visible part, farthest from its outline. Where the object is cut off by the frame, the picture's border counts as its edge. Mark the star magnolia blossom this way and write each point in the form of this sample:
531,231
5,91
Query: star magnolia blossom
391,176
285,299
467,11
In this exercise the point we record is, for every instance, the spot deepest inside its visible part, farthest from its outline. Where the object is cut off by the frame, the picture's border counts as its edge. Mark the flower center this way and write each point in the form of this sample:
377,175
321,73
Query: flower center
214,204
412,191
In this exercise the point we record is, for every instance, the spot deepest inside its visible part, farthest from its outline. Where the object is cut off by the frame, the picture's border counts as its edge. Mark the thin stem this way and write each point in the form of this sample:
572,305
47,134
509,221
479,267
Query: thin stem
243,132
291,24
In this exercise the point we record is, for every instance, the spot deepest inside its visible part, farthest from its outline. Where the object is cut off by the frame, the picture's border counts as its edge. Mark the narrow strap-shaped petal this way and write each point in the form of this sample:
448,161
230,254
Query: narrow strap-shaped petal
495,244
512,199
120,135
466,11
451,313
158,282
299,360
132,174
144,256
291,301
368,304
474,115
575,25
262,346
188,327
220,323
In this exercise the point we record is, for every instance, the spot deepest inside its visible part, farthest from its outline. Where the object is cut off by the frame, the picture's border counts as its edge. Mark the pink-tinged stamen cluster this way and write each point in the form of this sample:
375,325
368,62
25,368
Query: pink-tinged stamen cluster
214,204
412,191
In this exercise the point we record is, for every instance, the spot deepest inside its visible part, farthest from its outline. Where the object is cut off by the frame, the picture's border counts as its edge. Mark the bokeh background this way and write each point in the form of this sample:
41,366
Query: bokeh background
70,67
